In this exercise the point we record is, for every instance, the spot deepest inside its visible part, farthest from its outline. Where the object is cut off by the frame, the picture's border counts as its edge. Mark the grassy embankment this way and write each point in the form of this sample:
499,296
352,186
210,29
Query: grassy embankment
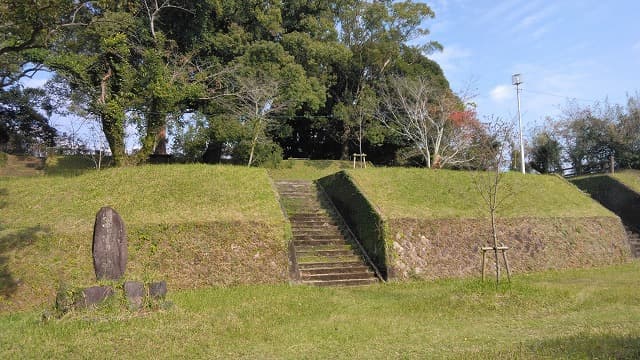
434,222
574,314
308,169
19,166
631,178
192,225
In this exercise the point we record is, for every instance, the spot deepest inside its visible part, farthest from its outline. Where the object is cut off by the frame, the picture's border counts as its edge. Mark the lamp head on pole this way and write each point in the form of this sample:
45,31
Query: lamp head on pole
516,79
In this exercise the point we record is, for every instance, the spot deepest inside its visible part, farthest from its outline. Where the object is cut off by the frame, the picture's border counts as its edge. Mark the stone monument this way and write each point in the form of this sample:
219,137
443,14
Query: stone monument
109,245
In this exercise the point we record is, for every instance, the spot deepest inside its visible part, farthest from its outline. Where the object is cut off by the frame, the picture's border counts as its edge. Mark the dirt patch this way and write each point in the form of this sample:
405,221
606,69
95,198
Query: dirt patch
430,249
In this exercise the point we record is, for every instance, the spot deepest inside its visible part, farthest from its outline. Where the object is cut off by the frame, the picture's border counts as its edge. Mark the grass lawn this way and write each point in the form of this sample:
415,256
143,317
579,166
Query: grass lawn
157,194
631,178
308,169
439,194
574,314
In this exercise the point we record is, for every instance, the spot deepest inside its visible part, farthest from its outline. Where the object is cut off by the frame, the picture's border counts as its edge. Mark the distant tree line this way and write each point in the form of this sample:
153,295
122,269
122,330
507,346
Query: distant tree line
252,80
587,137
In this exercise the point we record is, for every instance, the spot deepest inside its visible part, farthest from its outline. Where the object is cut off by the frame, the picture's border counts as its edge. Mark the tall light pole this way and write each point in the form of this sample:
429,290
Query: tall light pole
516,79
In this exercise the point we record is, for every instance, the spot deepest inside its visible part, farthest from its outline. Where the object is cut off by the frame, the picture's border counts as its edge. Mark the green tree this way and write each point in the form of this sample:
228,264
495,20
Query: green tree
545,153
22,128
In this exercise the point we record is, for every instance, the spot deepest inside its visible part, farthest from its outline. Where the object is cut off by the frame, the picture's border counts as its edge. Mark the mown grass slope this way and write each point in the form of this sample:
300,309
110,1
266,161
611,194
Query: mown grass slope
631,178
308,169
191,224
578,314
432,223
19,166
438,194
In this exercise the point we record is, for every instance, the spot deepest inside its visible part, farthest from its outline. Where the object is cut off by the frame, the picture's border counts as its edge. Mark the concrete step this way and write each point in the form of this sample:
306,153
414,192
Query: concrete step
327,260
320,220
336,270
337,276
302,247
300,243
328,252
348,282
315,229
334,264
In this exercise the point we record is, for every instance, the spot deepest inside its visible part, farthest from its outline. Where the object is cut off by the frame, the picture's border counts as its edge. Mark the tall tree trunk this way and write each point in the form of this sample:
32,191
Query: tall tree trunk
346,135
156,123
495,244
114,132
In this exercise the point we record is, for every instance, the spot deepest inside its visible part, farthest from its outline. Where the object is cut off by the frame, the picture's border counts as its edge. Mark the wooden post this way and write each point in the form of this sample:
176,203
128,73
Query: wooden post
363,160
483,256
503,249
506,264
612,164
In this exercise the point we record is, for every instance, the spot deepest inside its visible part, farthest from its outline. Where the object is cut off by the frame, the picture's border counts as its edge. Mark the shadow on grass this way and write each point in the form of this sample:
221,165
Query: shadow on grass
325,164
70,165
11,241
590,347
3,203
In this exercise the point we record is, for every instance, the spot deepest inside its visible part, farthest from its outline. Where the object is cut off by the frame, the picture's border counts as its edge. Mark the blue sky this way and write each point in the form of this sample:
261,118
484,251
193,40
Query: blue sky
568,49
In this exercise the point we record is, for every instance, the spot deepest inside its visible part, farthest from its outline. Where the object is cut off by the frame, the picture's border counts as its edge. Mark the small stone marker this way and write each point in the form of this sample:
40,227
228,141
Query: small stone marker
109,245
134,292
158,290
94,295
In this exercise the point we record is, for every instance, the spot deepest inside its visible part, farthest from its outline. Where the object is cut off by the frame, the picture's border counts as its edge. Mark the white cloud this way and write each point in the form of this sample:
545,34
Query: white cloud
636,47
451,57
501,93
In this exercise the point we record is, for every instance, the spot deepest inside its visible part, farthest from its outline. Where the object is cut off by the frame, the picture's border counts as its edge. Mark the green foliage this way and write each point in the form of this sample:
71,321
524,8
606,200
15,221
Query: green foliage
3,159
22,128
546,154
592,134
266,154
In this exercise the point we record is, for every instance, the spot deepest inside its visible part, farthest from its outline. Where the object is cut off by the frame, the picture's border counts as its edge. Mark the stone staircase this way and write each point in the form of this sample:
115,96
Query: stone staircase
321,253
634,241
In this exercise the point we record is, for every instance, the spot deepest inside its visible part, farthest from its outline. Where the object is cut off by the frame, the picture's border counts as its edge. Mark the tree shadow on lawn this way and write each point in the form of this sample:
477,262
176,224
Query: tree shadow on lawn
325,164
589,346
11,240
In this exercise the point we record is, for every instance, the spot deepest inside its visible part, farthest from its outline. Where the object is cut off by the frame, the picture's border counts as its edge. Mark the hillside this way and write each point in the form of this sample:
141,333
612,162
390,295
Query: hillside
431,223
445,194
193,225
631,178
13,165
302,169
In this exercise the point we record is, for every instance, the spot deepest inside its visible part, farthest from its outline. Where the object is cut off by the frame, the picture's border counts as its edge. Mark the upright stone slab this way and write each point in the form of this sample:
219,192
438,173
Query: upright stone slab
109,245
94,295
134,292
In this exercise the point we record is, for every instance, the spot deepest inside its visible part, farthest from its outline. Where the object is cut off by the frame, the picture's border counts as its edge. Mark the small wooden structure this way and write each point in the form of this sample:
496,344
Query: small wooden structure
503,249
362,160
